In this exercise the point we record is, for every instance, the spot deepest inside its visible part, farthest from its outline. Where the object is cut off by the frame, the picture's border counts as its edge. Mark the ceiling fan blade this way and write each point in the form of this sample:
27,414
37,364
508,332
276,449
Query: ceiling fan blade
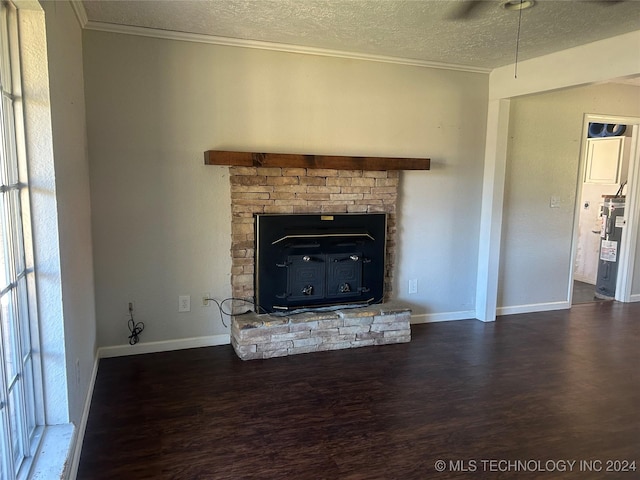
607,3
464,10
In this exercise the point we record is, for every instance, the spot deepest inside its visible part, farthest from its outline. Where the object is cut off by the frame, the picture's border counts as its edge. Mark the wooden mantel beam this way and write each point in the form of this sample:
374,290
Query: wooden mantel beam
288,160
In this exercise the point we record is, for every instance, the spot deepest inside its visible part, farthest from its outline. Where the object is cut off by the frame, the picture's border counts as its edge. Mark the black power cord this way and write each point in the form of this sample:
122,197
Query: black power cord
135,328
287,313
224,313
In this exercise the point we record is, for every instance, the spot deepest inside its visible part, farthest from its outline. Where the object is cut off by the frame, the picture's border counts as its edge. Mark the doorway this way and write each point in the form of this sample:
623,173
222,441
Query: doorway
601,259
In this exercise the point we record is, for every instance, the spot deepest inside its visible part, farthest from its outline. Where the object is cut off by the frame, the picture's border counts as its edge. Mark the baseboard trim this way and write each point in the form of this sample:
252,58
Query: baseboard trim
163,346
443,317
79,434
532,308
635,298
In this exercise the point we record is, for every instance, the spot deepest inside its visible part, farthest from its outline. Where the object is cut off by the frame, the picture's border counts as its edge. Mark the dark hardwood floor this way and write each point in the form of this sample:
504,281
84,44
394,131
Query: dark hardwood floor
585,293
546,388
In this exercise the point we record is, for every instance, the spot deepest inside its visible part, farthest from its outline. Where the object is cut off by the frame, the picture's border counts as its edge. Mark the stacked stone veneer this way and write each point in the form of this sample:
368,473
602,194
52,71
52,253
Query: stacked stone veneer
301,190
265,336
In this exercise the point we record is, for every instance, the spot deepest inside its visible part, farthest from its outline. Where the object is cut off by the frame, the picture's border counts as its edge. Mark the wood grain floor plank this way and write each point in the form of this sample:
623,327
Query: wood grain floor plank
547,386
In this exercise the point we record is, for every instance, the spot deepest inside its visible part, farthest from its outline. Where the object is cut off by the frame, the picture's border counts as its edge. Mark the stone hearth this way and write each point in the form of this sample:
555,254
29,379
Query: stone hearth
256,336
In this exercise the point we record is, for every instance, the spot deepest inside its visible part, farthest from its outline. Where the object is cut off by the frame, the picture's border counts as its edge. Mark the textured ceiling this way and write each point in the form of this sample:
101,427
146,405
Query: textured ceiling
423,30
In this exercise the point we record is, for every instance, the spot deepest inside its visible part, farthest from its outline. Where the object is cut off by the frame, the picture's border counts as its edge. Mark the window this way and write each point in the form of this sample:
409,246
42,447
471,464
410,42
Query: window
20,396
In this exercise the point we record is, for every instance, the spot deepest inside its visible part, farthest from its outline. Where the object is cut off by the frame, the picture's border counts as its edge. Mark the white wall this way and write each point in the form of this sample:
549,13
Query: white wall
49,351
542,161
583,65
635,285
64,49
594,62
161,219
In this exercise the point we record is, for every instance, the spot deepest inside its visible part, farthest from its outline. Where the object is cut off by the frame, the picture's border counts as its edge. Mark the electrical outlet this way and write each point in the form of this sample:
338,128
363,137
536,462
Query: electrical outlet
413,286
205,299
184,303
131,306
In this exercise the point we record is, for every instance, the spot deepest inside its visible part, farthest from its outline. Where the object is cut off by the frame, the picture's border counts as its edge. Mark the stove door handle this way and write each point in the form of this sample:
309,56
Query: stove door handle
353,258
308,258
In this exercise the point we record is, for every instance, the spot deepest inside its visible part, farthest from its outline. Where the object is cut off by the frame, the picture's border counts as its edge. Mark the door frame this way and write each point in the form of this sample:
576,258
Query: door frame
628,243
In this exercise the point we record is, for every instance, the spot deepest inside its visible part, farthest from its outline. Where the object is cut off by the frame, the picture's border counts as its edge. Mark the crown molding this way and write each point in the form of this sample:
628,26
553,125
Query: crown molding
81,13
277,47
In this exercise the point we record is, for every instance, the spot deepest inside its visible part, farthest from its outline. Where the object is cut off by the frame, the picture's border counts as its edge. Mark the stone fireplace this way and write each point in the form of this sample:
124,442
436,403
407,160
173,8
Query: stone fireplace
257,192
272,190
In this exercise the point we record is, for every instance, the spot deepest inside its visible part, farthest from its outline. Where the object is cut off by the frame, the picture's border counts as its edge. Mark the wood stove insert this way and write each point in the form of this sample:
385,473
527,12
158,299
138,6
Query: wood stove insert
311,261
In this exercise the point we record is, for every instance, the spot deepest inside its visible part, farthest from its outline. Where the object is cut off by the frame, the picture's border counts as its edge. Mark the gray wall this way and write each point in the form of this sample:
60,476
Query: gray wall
161,219
543,157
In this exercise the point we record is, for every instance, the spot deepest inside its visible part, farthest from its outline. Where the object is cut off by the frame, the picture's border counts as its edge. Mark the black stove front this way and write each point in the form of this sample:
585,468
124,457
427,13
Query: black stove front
306,261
